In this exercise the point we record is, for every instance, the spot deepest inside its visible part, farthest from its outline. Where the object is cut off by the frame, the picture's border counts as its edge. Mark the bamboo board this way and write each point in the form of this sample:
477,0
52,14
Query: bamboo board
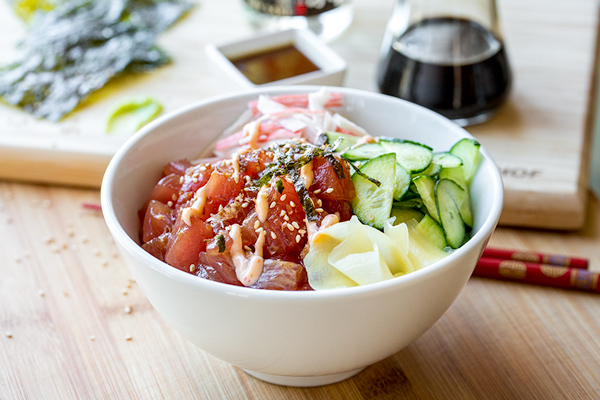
539,139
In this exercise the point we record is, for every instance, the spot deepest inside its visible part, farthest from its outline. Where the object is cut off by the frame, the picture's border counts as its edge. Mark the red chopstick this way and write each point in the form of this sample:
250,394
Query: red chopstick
535,257
538,274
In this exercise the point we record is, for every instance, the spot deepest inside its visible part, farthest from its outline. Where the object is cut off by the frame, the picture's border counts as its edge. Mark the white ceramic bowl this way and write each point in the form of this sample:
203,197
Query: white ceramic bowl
292,338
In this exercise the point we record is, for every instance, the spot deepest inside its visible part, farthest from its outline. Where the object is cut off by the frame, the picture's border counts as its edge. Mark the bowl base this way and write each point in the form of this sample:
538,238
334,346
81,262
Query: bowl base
304,381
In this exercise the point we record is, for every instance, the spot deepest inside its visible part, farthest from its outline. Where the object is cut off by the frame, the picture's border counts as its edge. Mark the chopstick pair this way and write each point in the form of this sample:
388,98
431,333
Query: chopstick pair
538,269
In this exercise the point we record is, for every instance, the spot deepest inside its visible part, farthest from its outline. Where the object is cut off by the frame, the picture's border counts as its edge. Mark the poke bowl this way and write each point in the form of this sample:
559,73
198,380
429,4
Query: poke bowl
293,337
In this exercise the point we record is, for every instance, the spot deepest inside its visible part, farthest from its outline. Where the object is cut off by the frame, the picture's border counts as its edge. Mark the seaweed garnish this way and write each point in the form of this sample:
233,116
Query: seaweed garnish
221,242
363,175
289,158
77,47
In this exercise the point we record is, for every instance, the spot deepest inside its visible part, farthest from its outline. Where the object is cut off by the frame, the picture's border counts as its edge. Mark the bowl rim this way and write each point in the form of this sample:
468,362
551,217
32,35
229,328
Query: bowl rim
122,238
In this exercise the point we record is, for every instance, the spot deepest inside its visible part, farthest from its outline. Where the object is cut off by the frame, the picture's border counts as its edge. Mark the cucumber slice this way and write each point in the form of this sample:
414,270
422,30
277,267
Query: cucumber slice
373,204
403,181
455,174
366,151
347,140
447,160
414,157
405,214
414,202
432,170
425,186
446,193
428,227
468,151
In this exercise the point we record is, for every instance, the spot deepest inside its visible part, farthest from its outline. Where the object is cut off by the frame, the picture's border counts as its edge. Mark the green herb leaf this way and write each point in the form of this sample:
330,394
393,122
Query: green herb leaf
221,242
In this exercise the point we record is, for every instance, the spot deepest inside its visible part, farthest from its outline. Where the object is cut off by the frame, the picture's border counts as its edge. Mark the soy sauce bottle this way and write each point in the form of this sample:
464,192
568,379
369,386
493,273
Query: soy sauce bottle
447,56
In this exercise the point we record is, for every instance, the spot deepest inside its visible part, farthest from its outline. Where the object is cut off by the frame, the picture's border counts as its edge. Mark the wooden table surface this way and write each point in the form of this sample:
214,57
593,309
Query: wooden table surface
74,325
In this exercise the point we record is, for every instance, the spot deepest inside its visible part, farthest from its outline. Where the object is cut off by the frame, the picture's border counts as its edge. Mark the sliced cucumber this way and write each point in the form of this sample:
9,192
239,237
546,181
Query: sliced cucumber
432,170
455,174
366,151
414,157
447,160
414,202
468,151
425,187
373,204
347,140
403,181
405,214
446,193
430,228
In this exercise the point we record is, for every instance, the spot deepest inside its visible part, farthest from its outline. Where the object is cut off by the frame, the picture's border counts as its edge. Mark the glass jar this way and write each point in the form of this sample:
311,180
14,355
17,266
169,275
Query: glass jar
448,56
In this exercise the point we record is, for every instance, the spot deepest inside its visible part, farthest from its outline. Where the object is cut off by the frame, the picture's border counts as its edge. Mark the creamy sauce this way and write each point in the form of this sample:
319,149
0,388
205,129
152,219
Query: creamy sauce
313,230
246,270
252,133
235,159
262,203
306,172
197,207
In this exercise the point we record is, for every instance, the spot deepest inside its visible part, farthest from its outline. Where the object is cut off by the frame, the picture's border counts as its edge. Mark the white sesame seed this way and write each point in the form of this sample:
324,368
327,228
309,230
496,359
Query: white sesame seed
193,268
202,168
256,224
174,197
273,235
170,203
302,231
127,309
286,217
329,190
220,207
8,335
160,217
319,203
317,191
283,197
298,238
259,230
272,205
128,337
246,247
292,204
92,338
290,227
295,224
195,180
181,179
282,213
244,204
319,210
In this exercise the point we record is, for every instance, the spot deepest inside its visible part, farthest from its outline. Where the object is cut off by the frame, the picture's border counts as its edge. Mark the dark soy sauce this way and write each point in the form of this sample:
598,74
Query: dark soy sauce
453,66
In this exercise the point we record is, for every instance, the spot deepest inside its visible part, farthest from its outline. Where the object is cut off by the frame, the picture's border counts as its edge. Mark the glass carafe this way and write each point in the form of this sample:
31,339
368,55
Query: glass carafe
446,55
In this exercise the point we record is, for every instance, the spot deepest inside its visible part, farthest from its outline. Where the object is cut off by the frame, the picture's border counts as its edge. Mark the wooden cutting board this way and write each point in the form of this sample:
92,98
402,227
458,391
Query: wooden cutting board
539,139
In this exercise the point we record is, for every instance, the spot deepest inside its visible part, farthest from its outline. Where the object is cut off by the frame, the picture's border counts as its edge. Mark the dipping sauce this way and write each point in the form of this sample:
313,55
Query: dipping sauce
274,64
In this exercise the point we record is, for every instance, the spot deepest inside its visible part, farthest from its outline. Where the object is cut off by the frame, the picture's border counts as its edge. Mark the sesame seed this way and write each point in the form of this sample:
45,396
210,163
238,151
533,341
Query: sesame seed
202,168
245,204
128,337
282,213
292,204
92,338
286,217
220,207
41,293
302,231
170,203
195,180
319,210
283,197
317,191
124,292
127,309
104,263
297,238
160,217
256,224
181,179
319,203
174,197
193,268
295,224
8,335
272,205
290,227
329,190
246,247
273,235
259,230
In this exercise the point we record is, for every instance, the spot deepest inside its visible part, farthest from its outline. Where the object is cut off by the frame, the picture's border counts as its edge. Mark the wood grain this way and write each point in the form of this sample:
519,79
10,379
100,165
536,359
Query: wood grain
539,139
64,290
